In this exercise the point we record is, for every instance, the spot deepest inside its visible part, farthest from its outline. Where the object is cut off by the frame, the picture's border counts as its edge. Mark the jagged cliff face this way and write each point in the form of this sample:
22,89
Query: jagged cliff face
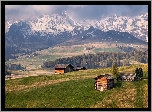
137,26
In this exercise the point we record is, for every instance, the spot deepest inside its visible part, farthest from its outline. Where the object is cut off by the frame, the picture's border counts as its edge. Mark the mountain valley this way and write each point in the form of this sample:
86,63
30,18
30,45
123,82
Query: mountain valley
57,36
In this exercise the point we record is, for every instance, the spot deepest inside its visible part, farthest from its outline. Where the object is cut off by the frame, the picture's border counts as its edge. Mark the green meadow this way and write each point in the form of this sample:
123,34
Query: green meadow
76,90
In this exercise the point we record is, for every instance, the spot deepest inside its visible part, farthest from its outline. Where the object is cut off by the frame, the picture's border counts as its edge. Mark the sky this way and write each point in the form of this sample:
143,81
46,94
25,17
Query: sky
77,12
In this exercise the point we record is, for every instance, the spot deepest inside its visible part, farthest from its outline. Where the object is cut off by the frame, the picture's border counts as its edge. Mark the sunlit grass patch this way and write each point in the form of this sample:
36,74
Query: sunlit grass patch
145,95
122,97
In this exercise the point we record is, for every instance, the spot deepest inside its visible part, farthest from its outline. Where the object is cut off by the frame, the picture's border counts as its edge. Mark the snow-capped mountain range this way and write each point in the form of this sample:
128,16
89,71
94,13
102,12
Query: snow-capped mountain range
24,37
55,24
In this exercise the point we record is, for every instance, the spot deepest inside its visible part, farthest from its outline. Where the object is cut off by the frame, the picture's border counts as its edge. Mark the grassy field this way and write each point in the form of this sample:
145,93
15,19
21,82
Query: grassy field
76,90
97,50
112,50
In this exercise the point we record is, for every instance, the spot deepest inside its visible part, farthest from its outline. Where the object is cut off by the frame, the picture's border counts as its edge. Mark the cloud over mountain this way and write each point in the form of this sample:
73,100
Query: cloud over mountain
79,12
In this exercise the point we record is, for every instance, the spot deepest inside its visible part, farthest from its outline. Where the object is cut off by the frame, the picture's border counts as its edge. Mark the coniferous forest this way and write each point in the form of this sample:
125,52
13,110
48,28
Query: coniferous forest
101,60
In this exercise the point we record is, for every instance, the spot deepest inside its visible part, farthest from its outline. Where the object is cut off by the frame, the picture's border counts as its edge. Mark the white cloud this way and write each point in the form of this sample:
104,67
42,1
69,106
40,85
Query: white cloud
43,8
78,12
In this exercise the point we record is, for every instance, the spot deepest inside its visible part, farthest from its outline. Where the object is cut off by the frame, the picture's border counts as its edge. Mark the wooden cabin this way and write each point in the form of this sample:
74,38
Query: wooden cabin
63,68
8,75
127,77
79,68
104,82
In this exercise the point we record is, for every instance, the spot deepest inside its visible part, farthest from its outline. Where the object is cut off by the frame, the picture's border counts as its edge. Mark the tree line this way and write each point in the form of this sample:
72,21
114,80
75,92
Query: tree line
14,67
101,60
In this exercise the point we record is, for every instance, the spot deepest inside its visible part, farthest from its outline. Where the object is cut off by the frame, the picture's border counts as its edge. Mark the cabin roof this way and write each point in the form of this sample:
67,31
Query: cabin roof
63,65
128,75
80,67
107,76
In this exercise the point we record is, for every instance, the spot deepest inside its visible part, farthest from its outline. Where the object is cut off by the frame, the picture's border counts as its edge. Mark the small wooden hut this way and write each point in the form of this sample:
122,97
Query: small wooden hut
7,75
104,82
63,68
127,77
79,68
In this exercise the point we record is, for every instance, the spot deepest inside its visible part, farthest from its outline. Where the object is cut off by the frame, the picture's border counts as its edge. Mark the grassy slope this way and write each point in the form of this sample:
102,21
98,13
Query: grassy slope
76,90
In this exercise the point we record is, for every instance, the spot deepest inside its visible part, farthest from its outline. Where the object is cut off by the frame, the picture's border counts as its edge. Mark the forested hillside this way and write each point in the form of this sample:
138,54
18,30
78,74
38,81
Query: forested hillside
99,60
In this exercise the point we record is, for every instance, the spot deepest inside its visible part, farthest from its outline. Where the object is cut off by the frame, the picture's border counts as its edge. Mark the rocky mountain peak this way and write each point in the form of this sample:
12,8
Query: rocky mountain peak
137,26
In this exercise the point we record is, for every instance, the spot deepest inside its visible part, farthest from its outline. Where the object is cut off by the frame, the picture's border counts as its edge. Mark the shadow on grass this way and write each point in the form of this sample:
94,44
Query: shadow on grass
144,78
117,84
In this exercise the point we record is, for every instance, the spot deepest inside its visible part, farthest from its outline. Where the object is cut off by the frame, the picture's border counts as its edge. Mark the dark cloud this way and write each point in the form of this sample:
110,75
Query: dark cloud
77,12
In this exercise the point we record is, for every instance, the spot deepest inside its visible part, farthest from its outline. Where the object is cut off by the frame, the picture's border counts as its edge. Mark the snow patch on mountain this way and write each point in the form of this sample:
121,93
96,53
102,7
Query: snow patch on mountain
53,23
69,19
137,26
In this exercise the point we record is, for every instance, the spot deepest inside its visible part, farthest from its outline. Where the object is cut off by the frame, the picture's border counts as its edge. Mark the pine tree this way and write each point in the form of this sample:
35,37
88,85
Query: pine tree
140,73
137,72
115,70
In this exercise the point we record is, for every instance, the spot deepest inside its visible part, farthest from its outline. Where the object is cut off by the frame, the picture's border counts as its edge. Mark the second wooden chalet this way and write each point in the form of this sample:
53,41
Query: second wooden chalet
63,68
127,77
79,68
104,82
